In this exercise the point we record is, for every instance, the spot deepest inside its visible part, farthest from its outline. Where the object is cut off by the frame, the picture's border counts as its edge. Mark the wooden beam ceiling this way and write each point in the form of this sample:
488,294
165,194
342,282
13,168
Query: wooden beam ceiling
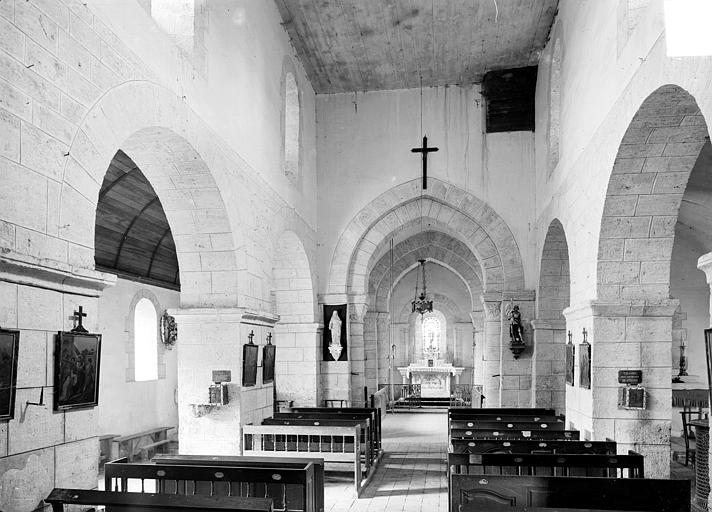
361,45
132,236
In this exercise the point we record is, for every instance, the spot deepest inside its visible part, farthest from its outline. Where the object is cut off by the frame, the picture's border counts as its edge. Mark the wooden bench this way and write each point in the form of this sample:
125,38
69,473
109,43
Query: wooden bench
457,412
514,434
340,445
371,416
373,413
290,486
543,464
293,493
140,444
368,450
470,493
506,425
137,502
472,446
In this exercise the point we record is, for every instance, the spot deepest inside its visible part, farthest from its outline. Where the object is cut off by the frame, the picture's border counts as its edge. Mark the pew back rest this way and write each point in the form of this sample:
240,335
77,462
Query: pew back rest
287,486
513,434
137,502
474,446
506,425
613,466
470,493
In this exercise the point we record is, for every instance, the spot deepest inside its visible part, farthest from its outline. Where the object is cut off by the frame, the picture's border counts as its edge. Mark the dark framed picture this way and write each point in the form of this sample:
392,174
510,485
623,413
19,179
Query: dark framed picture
250,355
708,353
585,365
77,358
570,363
268,353
335,343
9,343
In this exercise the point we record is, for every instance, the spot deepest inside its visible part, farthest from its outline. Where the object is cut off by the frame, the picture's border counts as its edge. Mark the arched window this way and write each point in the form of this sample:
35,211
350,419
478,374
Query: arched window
431,334
145,340
291,127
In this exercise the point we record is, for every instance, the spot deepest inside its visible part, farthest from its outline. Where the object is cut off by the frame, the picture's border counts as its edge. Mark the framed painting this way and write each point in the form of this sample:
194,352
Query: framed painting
9,343
77,358
585,365
268,353
570,363
250,355
335,343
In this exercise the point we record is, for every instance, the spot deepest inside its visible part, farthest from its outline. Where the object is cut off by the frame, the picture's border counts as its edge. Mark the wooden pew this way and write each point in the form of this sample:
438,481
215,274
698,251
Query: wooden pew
514,434
543,464
471,446
333,444
508,417
369,451
138,502
470,493
371,416
506,424
307,466
458,412
289,485
373,412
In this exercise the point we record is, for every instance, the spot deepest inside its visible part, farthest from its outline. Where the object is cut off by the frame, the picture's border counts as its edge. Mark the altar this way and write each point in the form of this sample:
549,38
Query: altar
434,379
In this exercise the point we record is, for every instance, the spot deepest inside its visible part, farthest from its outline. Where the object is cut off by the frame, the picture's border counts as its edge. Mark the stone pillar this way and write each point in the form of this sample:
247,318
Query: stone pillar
357,353
625,336
704,263
298,367
212,339
376,353
548,361
491,363
516,373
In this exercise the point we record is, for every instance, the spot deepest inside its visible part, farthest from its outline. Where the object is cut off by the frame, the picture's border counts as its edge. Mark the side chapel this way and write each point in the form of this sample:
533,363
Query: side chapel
183,178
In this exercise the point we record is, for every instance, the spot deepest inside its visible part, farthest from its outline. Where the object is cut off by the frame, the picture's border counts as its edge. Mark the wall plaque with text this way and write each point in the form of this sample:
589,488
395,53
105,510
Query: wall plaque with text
630,377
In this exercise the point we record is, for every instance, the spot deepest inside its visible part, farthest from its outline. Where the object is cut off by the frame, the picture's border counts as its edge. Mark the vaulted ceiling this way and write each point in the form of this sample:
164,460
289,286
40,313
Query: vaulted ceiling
132,236
360,45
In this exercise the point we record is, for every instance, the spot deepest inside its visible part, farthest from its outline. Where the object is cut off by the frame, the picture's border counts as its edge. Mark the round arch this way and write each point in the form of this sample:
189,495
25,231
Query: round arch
163,137
473,221
645,190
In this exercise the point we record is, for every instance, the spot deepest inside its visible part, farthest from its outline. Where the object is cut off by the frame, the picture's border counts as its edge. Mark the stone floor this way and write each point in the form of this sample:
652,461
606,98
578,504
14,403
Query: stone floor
411,476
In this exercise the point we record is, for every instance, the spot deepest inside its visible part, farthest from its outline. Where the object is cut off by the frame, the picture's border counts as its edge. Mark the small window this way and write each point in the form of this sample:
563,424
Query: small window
291,127
145,341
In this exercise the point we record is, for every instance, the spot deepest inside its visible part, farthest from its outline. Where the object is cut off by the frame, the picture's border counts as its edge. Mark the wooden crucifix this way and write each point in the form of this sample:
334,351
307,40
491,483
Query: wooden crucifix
78,316
424,151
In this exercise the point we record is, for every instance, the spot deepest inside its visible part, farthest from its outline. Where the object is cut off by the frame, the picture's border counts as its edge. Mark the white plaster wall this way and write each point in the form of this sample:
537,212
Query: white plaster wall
363,147
130,407
240,96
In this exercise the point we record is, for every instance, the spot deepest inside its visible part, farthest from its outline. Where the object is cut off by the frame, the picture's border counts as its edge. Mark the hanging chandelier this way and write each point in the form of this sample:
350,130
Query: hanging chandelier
420,303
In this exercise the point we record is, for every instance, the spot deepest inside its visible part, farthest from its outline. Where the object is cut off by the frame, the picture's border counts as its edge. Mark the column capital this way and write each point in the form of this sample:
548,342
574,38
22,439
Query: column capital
704,263
492,310
219,315
548,324
591,308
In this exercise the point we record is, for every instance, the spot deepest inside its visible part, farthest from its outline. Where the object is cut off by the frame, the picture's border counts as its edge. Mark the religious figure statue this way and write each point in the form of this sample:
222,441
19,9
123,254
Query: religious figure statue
516,331
335,329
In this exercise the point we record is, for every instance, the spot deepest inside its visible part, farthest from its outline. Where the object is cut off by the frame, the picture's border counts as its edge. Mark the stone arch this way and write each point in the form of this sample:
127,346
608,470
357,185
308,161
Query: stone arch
143,293
631,321
553,296
474,222
645,190
165,139
297,371
435,246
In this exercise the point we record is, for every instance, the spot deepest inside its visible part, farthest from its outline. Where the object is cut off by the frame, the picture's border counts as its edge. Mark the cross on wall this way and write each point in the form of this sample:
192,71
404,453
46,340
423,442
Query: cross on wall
424,150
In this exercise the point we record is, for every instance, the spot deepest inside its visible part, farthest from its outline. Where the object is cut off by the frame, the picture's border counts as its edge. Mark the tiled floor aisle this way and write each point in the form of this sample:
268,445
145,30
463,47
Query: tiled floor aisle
411,476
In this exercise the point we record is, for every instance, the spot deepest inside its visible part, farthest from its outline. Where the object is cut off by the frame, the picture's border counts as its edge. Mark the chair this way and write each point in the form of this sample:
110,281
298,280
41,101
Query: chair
687,430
